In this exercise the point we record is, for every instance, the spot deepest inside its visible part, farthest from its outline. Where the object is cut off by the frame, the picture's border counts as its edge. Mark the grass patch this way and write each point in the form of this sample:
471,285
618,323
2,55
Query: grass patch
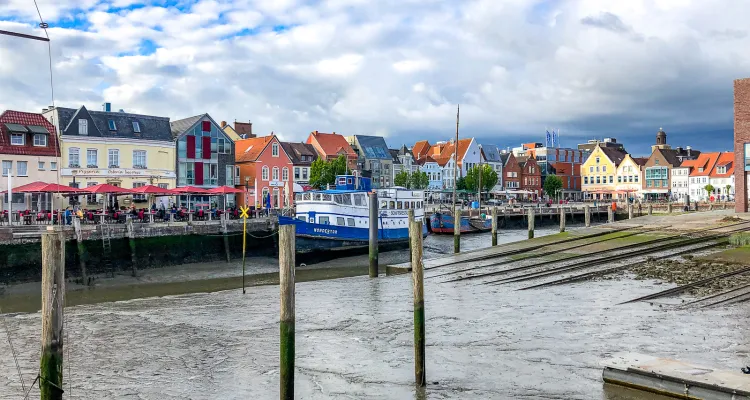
740,239
738,255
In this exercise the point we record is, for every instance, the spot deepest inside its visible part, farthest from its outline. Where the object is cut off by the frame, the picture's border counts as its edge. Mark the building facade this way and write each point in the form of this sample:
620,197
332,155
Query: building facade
373,159
118,148
302,156
599,173
512,174
263,163
681,181
29,153
330,146
657,172
491,156
205,158
722,178
628,174
531,177
741,143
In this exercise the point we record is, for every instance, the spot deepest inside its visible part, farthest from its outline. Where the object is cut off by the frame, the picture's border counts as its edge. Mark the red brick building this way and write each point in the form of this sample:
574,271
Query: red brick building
265,166
741,142
531,177
511,174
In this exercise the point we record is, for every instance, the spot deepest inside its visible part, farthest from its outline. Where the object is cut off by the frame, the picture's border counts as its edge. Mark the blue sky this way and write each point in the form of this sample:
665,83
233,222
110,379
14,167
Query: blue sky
591,68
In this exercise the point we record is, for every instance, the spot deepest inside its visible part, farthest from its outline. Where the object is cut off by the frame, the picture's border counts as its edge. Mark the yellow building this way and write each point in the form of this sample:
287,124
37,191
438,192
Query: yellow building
118,148
629,177
599,173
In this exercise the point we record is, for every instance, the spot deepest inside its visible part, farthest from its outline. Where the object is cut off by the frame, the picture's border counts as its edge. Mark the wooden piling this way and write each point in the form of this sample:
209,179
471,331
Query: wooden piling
225,233
286,323
373,235
562,219
410,214
587,215
630,211
610,215
53,301
456,229
131,242
530,220
650,209
669,208
494,226
417,274
81,249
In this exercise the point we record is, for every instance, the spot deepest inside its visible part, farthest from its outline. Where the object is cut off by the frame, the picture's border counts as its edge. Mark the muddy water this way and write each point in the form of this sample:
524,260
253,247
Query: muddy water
354,341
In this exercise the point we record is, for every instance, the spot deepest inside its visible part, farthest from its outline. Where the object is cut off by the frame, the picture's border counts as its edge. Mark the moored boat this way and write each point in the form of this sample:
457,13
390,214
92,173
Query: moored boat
339,219
444,223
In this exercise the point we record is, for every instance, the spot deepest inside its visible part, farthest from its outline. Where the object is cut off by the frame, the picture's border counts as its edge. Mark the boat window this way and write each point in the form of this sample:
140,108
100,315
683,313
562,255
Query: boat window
349,181
323,220
359,199
384,204
346,199
307,196
419,204
399,205
301,218
337,198
342,181
392,205
317,196
298,197
350,221
340,221
326,197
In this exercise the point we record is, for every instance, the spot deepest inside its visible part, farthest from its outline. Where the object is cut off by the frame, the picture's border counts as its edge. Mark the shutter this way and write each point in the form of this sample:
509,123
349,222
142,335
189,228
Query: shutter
198,173
206,147
190,146
206,126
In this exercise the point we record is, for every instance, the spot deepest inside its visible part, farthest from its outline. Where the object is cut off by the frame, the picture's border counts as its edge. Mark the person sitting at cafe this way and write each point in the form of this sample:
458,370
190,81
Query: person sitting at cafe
68,216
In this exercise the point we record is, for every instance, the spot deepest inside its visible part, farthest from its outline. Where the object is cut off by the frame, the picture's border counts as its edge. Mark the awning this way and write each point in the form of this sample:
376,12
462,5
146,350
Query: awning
38,129
16,128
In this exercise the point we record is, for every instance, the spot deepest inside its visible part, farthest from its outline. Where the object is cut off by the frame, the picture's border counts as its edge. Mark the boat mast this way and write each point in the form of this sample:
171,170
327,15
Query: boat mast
455,159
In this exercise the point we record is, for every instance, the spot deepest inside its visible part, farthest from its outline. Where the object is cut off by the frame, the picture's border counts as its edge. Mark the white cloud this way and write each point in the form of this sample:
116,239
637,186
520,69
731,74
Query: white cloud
391,66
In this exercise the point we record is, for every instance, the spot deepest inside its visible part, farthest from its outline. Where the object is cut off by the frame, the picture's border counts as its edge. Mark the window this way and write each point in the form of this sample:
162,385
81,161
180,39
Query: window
136,127
350,221
40,165
264,173
304,173
229,178
222,146
611,179
139,159
275,173
112,125
656,161
340,221
597,160
7,167
91,158
40,140
323,220
83,127
140,197
604,168
91,198
285,174
114,158
591,169
53,166
74,160
275,149
586,180
23,168
296,173
17,139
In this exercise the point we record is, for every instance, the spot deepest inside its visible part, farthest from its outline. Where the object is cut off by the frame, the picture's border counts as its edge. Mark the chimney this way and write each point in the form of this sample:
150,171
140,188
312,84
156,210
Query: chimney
107,107
44,110
251,128
223,124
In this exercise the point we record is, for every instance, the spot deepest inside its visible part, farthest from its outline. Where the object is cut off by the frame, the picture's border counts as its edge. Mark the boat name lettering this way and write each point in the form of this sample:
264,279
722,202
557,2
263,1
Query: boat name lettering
399,212
327,231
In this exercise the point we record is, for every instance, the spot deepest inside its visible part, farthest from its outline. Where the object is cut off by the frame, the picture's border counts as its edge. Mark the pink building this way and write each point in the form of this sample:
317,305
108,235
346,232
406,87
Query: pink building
264,167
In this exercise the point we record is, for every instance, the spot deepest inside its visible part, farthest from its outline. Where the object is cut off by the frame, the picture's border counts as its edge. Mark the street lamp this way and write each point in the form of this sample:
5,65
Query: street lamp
479,172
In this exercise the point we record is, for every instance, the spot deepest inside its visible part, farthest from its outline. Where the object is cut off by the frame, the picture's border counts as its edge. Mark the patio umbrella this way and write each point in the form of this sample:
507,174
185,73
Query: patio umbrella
151,189
188,190
106,189
224,190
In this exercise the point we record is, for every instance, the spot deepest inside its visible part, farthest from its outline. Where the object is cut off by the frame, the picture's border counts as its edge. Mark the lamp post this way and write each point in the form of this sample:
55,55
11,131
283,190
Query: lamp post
479,187
247,189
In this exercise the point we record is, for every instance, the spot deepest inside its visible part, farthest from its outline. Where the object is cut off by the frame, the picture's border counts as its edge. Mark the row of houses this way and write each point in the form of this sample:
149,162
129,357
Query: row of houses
82,147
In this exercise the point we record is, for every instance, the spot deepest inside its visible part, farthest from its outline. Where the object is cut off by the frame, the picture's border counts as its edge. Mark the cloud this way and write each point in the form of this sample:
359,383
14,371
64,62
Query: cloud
400,67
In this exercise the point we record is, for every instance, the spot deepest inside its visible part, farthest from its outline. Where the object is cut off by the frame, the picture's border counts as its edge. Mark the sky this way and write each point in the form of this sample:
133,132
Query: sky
395,68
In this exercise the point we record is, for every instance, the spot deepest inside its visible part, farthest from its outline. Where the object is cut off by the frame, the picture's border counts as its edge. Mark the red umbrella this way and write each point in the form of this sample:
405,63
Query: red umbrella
107,188
225,190
32,187
189,190
151,189
55,188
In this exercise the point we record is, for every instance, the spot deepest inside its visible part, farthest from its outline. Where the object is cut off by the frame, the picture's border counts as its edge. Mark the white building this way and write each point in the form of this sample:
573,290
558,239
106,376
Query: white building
681,182
491,155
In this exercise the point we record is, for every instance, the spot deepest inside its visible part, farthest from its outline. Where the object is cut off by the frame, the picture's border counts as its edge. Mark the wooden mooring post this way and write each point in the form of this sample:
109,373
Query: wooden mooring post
81,250
587,215
650,209
456,229
131,242
373,235
286,323
53,301
225,233
417,274
494,226
410,215
610,215
530,219
630,211
562,219
669,208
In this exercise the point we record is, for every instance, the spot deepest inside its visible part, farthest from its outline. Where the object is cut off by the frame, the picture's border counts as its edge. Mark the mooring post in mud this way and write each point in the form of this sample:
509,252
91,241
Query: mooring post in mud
373,234
456,229
530,219
286,323
650,209
587,215
630,211
417,273
225,232
410,214
494,226
53,300
562,219
131,242
81,249
610,215
669,208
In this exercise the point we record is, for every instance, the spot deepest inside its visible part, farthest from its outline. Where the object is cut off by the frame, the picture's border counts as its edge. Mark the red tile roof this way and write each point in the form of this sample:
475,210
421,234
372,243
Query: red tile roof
705,161
420,149
248,150
332,144
725,159
24,118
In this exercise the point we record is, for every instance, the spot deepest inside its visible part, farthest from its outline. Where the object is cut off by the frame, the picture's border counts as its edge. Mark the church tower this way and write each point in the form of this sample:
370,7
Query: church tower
661,141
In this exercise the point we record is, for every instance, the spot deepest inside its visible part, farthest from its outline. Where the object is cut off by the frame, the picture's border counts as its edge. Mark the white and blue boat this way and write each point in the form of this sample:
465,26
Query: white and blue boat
339,218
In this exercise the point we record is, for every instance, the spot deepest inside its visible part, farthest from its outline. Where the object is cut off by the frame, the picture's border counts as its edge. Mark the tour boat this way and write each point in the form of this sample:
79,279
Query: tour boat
444,223
339,218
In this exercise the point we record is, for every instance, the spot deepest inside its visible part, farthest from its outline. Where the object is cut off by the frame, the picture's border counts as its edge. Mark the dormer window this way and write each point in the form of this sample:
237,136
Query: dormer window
112,125
700,169
136,127
721,170
17,139
275,149
83,127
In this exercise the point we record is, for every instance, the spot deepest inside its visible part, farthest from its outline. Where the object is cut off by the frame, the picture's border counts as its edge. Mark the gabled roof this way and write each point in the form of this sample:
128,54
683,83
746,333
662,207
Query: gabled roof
640,161
297,150
706,161
248,150
491,153
614,155
231,133
373,147
420,149
424,160
30,123
151,127
504,158
726,159
394,155
181,125
670,155
331,143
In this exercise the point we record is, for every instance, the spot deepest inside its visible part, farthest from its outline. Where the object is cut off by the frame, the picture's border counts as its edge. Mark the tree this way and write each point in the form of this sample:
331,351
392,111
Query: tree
552,185
419,180
729,190
489,178
402,179
709,189
323,173
461,183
